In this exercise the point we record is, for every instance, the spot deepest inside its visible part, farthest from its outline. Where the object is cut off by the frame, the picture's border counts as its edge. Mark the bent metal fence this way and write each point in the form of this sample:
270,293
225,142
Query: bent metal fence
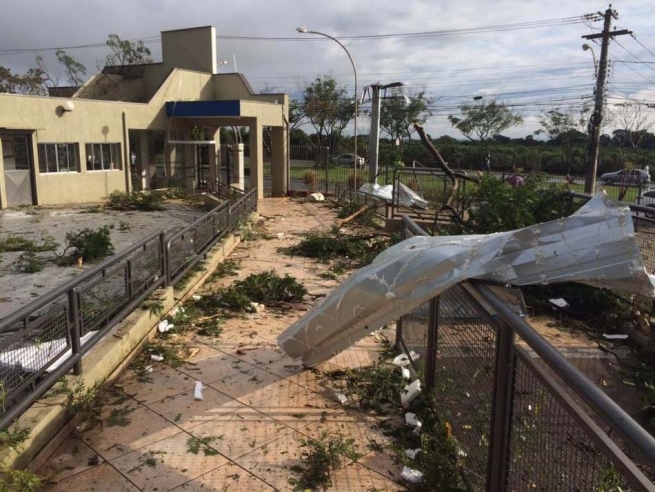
523,416
47,338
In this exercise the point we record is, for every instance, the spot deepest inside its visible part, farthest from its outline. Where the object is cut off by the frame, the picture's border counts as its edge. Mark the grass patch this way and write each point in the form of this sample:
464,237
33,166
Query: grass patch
323,457
19,481
13,437
17,243
28,262
144,201
266,288
227,268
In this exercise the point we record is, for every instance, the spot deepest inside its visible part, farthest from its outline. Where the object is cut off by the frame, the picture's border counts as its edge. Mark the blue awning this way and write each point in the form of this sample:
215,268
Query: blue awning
202,109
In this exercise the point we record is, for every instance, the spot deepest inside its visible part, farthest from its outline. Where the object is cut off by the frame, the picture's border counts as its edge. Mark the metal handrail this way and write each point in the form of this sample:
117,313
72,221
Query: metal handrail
634,435
50,296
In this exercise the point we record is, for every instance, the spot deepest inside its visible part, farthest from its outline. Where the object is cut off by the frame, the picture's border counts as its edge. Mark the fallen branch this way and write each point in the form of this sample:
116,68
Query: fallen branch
350,218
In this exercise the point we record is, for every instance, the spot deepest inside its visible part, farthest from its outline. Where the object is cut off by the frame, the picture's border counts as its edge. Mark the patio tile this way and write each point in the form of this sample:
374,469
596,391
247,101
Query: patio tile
296,407
229,477
355,357
242,384
163,383
70,458
185,412
384,462
355,425
166,464
273,462
210,365
357,478
125,428
102,478
256,352
240,432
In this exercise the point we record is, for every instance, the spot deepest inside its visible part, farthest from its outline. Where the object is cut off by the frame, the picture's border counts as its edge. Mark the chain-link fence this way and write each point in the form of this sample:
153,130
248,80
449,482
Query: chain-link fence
523,417
47,338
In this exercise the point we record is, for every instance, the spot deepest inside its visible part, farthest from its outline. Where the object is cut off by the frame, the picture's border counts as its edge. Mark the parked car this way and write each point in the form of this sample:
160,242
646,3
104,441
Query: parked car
348,160
647,199
626,176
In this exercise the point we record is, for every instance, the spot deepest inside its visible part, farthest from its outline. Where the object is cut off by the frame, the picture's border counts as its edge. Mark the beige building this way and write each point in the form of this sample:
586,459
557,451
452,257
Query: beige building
141,126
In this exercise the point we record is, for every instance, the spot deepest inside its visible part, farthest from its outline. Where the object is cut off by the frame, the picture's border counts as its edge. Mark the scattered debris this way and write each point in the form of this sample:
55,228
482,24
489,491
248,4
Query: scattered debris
315,197
342,222
410,392
412,419
197,392
560,303
406,374
402,360
341,398
411,453
157,358
411,475
164,326
617,336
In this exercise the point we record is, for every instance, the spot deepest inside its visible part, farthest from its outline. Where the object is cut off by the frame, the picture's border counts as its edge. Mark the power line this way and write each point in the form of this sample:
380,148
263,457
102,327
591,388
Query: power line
448,32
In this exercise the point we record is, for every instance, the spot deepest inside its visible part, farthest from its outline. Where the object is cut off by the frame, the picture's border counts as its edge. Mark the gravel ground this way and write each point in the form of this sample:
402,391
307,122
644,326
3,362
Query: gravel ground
127,228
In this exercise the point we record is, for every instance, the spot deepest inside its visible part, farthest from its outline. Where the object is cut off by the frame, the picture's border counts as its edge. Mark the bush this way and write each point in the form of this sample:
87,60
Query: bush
311,180
145,201
30,263
356,180
326,246
90,244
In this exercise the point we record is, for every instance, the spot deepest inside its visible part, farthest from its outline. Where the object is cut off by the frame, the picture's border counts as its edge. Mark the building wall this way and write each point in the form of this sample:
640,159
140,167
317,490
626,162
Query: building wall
191,49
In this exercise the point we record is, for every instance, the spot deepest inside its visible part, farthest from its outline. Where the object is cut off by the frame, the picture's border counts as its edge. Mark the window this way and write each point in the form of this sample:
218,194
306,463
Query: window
103,157
58,158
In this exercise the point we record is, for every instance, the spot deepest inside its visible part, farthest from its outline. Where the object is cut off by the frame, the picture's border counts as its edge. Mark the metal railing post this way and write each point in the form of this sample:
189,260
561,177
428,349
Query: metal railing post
433,332
327,170
165,259
74,314
501,410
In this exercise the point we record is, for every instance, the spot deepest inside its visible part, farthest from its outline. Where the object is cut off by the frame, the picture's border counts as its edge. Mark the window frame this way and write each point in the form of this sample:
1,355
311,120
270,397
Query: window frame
96,150
44,149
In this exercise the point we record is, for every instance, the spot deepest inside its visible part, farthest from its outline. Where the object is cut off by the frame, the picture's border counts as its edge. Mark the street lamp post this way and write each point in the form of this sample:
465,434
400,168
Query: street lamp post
304,30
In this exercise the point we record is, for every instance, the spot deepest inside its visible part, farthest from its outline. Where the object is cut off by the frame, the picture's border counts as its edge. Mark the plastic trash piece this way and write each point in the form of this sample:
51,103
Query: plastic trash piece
616,336
411,453
147,370
164,326
341,398
176,310
197,392
157,358
414,355
196,297
411,475
406,374
315,197
280,235
411,419
559,302
402,360
411,391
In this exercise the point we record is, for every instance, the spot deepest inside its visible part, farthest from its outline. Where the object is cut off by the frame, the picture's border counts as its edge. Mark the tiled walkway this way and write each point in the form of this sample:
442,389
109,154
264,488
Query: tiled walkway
258,404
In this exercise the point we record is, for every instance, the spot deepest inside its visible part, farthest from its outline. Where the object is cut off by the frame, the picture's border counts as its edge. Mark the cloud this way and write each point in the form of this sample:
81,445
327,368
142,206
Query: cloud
531,69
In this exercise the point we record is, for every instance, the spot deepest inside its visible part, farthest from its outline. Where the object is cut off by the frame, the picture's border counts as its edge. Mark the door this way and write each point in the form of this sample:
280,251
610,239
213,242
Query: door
18,169
203,165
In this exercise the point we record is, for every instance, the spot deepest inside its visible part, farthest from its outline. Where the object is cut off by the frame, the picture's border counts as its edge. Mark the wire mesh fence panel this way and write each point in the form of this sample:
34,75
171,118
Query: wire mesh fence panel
145,267
414,336
103,298
28,348
549,449
181,252
464,374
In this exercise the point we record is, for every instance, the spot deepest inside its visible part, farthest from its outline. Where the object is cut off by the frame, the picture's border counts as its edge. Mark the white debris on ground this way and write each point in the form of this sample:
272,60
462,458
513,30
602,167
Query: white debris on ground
411,475
197,391
410,392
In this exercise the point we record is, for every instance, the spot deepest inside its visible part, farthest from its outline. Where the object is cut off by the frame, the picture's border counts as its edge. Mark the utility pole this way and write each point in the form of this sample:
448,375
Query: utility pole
374,137
596,119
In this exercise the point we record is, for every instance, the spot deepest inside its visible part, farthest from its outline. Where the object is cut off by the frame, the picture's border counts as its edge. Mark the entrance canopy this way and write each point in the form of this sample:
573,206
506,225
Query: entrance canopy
203,109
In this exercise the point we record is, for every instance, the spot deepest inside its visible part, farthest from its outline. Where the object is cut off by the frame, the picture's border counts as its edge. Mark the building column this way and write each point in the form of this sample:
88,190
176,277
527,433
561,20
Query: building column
256,158
214,156
238,175
3,189
189,163
279,160
144,159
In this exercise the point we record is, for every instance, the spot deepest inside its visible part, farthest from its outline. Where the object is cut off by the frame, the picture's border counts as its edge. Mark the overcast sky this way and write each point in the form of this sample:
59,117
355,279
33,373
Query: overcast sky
533,69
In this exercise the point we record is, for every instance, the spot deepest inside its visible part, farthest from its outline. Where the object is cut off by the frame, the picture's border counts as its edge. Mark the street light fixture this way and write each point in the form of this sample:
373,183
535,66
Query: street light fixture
586,47
304,30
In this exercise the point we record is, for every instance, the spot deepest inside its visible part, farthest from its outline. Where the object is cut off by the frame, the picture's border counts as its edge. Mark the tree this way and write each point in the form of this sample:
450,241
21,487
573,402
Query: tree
563,127
481,122
397,115
328,108
31,83
75,70
296,114
126,52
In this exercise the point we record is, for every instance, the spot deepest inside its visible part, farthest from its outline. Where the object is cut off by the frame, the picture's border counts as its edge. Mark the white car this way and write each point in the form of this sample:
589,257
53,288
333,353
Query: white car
647,200
347,160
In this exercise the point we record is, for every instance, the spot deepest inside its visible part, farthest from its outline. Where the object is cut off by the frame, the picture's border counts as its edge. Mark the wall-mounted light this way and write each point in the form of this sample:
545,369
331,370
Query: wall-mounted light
67,106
